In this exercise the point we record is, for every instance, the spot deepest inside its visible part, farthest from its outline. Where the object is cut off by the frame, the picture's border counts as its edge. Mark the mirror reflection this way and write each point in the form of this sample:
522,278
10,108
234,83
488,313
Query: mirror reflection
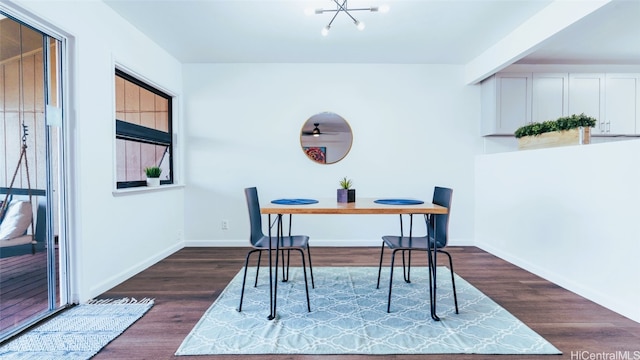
326,138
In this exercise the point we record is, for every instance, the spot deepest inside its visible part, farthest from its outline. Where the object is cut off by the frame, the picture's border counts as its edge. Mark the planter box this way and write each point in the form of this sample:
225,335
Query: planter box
579,136
346,195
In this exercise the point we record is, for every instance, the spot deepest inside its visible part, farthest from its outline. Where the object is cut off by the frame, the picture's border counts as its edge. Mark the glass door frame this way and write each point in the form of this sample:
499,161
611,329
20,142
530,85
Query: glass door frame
55,119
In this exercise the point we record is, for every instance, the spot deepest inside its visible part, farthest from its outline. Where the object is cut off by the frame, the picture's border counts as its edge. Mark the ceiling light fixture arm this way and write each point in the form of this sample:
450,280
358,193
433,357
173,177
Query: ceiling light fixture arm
342,5
338,9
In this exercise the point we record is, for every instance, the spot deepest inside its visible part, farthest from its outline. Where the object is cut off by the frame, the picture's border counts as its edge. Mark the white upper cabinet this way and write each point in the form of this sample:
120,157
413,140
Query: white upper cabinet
622,104
506,103
586,96
550,100
510,100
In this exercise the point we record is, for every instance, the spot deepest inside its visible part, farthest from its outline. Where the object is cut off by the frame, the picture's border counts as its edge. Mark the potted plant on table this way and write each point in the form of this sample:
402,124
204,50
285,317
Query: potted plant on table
568,130
346,194
153,175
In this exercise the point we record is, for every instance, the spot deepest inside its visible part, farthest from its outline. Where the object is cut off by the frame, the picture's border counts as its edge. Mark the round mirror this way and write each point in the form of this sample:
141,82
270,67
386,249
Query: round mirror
326,138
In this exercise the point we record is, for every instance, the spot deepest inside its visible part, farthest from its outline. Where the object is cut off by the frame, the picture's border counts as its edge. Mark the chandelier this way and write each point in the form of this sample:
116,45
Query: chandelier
342,6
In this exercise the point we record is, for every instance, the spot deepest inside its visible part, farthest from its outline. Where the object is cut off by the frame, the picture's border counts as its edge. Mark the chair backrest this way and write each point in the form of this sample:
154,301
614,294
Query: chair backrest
255,218
441,196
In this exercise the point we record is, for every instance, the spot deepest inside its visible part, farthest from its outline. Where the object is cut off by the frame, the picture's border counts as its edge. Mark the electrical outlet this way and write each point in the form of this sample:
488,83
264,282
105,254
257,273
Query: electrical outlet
225,225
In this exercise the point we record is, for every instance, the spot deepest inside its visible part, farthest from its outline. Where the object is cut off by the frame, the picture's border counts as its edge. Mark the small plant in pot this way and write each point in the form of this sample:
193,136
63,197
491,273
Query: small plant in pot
346,194
153,175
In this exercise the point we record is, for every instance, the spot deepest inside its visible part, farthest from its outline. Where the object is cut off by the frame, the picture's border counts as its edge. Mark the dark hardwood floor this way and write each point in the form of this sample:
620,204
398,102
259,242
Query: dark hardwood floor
23,289
186,283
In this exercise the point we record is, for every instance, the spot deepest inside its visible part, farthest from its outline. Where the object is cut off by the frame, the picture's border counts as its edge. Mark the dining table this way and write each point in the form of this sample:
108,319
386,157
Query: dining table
362,206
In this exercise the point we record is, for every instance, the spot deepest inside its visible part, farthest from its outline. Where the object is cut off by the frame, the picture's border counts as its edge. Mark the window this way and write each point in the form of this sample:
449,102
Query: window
143,131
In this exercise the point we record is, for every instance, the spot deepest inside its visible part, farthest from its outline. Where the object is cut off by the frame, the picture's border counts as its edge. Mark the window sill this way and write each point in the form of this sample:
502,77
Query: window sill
145,189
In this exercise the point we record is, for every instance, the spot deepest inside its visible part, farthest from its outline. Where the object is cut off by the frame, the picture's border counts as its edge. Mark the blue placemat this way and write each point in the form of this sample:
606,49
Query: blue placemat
399,201
294,201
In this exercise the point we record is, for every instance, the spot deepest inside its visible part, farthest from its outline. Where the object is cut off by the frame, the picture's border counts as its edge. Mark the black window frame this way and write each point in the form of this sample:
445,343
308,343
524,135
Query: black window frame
142,134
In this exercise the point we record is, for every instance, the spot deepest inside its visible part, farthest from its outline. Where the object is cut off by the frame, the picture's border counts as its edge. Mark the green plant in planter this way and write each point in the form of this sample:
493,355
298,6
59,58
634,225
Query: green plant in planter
562,123
346,193
153,171
345,183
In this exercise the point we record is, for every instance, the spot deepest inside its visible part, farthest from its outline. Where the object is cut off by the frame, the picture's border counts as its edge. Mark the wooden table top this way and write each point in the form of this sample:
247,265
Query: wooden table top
360,206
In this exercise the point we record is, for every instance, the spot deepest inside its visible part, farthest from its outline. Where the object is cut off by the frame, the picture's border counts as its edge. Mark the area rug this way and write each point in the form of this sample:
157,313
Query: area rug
349,316
77,333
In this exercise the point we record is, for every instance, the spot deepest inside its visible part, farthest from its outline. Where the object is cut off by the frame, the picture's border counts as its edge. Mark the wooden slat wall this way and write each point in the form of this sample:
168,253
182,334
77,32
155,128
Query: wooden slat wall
139,106
22,100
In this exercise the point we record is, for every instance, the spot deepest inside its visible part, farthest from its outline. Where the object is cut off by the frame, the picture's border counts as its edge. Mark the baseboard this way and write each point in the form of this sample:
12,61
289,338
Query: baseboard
127,274
316,242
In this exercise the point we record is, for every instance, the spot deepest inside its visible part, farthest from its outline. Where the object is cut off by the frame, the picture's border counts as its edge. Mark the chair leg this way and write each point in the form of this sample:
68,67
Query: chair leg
244,278
380,266
285,276
431,299
258,268
313,284
453,281
306,284
288,262
406,268
393,258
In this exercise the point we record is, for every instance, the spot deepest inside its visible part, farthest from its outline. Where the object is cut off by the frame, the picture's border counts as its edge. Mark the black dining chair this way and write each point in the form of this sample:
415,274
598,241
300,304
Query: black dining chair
441,196
260,243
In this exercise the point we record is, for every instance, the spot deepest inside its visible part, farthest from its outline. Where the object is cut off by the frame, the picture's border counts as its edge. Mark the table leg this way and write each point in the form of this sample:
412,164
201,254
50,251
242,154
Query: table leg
433,270
273,284
271,307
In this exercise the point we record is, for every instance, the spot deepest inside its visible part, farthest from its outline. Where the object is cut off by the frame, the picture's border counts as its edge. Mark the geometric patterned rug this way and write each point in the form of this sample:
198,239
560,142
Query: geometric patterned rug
79,332
349,316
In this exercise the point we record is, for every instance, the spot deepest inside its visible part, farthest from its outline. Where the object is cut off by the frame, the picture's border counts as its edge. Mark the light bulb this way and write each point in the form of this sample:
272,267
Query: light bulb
383,9
309,11
325,30
360,25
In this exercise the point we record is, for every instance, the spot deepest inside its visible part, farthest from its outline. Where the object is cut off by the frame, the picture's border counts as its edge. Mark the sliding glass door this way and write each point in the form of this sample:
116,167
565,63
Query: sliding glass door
33,274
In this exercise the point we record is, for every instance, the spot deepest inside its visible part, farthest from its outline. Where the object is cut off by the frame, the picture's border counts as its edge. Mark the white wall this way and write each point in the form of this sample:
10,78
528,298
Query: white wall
569,215
414,127
111,237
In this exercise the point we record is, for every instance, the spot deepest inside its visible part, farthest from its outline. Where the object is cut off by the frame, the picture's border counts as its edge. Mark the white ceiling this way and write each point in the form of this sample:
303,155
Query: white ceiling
413,31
